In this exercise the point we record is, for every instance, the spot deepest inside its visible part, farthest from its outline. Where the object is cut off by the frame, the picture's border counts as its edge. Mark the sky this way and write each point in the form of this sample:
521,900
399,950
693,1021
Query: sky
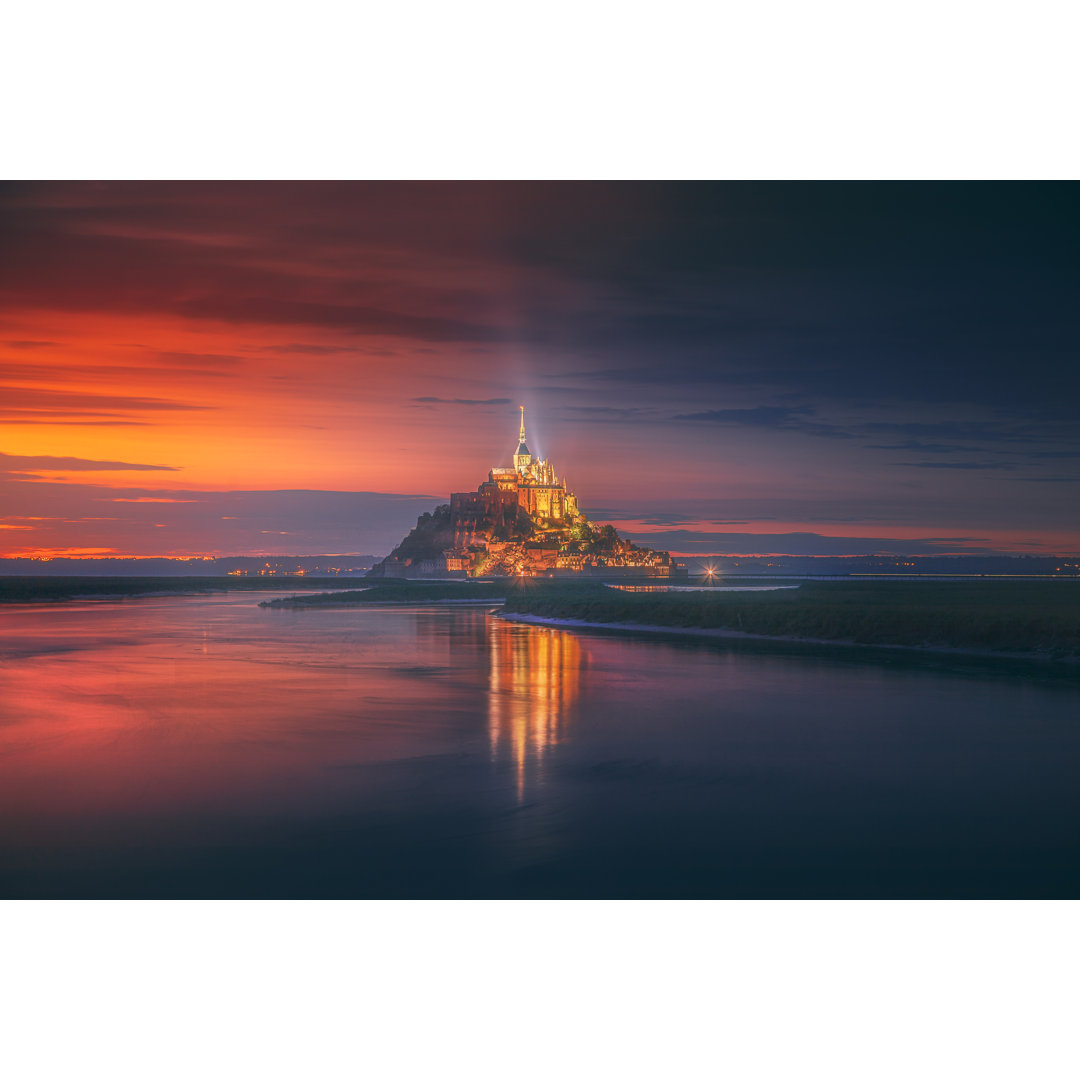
303,368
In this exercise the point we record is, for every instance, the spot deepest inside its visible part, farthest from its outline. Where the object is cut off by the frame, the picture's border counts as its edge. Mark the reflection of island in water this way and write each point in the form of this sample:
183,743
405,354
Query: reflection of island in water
534,677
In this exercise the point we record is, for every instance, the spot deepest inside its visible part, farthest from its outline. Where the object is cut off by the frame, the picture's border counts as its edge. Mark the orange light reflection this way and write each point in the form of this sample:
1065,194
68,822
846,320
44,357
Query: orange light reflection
534,678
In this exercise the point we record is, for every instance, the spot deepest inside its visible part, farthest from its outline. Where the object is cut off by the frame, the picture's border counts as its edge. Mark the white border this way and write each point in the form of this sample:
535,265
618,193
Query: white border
561,90
571,989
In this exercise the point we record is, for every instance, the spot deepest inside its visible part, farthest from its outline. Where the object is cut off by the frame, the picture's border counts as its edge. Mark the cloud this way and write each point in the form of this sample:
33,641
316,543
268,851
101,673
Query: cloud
353,318
716,374
805,543
310,350
11,462
201,360
663,518
969,433
762,416
607,412
51,374
29,344
464,401
30,416
928,447
979,465
994,431
777,417
656,518
16,398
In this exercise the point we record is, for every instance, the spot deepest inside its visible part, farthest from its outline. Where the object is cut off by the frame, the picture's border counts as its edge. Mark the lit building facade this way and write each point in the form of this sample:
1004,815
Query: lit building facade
529,485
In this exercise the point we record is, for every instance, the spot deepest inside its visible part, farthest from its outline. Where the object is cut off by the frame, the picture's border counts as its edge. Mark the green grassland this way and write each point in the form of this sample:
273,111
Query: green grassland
1029,617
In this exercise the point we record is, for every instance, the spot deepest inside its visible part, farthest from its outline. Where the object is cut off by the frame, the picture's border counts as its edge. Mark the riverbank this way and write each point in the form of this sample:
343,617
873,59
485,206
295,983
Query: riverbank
399,591
32,590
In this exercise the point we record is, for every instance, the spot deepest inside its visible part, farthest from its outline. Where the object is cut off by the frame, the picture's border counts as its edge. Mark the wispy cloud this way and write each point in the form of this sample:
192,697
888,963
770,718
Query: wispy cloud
928,447
971,465
201,360
27,417
777,417
806,543
1048,479
607,412
999,431
463,401
761,416
18,462
306,349
22,397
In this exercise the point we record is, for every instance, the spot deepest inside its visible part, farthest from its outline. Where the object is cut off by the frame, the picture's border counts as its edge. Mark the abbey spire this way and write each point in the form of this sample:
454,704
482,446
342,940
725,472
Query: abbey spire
523,456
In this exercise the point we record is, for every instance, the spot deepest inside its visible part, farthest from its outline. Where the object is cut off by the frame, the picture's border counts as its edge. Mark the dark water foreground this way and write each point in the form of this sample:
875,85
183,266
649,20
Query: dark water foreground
204,747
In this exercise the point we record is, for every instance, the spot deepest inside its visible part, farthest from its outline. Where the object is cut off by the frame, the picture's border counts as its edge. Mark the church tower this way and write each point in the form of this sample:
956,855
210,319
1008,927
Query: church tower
523,458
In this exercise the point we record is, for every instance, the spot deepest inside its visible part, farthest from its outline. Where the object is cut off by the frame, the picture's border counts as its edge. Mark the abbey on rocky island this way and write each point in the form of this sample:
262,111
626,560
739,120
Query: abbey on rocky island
529,485
521,521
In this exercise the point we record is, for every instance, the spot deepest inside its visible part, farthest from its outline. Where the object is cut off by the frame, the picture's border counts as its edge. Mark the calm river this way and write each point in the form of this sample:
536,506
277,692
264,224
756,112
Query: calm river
206,747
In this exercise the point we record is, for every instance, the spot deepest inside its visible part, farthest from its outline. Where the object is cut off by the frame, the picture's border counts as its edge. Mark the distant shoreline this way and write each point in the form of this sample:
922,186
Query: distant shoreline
741,635
54,590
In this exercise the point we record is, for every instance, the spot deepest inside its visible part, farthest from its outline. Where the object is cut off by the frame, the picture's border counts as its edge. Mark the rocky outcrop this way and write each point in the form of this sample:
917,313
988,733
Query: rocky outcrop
471,539
423,548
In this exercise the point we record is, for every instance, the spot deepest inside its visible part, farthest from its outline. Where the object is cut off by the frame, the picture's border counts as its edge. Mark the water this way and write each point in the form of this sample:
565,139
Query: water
204,747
